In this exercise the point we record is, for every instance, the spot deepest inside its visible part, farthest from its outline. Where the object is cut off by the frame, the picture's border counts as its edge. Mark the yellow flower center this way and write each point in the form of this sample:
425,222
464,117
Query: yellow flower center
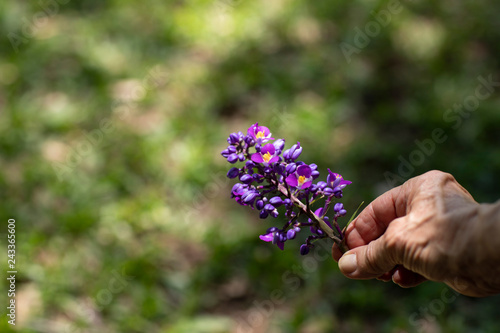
260,135
302,179
266,156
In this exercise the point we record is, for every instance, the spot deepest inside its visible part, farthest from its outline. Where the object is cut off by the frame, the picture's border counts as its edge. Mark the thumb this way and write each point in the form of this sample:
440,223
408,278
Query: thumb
367,261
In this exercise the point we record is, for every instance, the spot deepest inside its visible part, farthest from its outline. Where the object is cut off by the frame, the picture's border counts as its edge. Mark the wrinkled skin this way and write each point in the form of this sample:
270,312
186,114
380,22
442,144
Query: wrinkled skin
429,228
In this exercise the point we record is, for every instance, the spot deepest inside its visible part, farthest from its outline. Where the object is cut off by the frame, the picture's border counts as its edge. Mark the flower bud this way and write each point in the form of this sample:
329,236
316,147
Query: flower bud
315,174
246,179
290,234
232,158
274,213
287,202
249,141
338,207
297,153
263,214
233,173
286,154
342,212
290,168
272,229
279,144
321,185
249,196
304,249
269,207
259,204
276,237
239,189
234,138
328,191
278,168
338,192
231,149
241,157
276,201
225,153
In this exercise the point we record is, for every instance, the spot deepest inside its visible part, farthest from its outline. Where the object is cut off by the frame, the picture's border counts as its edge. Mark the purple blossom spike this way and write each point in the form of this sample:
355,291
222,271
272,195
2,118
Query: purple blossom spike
273,182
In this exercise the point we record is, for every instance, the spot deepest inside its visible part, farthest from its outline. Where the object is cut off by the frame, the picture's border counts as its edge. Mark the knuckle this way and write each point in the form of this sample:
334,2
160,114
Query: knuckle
439,175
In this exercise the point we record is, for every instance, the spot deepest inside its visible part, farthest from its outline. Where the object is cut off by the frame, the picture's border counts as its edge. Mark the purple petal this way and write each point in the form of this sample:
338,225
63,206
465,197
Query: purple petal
269,148
251,130
292,180
264,129
281,245
345,182
274,159
318,212
306,185
304,170
267,238
257,158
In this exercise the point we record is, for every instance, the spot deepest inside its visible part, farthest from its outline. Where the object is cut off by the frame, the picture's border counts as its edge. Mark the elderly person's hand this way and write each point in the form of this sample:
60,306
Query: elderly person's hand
430,228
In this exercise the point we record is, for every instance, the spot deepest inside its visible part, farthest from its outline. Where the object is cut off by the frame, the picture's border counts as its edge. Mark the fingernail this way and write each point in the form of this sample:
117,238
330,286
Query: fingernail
348,264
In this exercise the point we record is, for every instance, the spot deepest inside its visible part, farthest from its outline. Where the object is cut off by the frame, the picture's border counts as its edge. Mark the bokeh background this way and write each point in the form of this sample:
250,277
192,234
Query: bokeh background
112,118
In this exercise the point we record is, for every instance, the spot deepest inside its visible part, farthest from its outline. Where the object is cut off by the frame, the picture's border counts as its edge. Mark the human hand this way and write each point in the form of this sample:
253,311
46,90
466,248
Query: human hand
429,228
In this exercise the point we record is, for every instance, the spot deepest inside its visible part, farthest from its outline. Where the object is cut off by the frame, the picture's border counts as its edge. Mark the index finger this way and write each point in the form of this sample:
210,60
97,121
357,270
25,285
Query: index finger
372,222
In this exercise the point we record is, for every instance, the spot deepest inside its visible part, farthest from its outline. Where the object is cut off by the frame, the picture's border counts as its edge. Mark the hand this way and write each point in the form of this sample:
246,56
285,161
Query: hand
429,228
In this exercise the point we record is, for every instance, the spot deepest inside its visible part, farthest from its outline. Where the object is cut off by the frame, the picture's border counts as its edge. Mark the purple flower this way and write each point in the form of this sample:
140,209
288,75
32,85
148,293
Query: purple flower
335,179
301,178
266,156
260,134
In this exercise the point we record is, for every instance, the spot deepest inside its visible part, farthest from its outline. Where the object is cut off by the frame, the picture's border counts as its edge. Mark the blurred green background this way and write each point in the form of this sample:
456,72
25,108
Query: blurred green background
112,118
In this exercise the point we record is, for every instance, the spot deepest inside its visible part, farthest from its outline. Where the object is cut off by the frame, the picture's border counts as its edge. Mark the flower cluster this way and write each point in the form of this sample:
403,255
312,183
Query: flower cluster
272,178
